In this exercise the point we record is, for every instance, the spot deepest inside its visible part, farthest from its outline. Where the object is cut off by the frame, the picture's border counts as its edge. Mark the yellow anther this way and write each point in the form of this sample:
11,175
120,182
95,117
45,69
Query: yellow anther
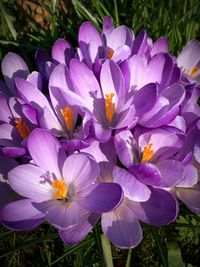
110,53
22,128
61,188
147,153
110,106
67,114
194,71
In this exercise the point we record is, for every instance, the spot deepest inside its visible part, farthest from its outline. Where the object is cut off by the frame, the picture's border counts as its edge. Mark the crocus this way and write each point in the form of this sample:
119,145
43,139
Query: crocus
62,189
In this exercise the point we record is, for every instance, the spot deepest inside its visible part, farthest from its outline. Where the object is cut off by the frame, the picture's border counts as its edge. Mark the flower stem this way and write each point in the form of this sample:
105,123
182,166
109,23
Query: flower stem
128,261
107,253
98,243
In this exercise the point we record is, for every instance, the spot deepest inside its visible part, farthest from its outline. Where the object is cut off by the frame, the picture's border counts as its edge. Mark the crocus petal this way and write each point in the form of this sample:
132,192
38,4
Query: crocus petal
14,152
79,171
139,43
36,79
145,98
160,209
9,135
62,51
6,165
122,227
107,25
97,197
138,72
189,56
147,173
27,180
132,188
84,80
87,33
160,45
5,114
13,66
121,53
78,232
61,214
7,195
112,81
190,196
172,171
21,216
46,151
190,177
120,36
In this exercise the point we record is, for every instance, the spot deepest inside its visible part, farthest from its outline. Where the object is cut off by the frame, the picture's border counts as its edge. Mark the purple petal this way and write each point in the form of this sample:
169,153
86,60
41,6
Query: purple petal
46,151
172,171
107,25
6,165
98,198
61,214
121,53
13,66
36,79
7,195
139,43
62,51
80,171
21,216
5,113
78,232
86,34
147,173
122,227
132,188
160,209
9,135
30,113
141,104
161,45
27,181
120,36
190,196
14,152
190,177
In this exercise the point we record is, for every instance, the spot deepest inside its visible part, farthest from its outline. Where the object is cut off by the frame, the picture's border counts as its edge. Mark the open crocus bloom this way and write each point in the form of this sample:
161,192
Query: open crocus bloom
150,157
121,225
62,189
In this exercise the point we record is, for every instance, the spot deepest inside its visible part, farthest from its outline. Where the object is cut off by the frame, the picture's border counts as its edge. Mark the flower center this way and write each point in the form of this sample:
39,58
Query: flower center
61,188
194,71
110,53
147,153
110,106
67,114
22,128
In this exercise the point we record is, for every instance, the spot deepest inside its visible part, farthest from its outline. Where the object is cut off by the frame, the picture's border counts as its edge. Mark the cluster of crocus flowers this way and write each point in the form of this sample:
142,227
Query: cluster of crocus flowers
106,131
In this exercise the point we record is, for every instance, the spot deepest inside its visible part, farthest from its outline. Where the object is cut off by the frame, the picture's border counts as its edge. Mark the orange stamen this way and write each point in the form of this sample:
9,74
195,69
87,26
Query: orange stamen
61,188
22,128
110,53
67,114
194,71
110,106
147,153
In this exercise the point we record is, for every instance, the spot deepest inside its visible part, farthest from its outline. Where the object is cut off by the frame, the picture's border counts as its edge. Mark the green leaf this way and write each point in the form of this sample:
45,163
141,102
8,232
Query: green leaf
174,255
161,249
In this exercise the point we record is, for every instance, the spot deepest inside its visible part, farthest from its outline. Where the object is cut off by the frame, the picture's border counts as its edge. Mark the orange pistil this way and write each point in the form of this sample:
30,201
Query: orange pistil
61,188
22,128
147,153
110,53
67,114
110,106
194,71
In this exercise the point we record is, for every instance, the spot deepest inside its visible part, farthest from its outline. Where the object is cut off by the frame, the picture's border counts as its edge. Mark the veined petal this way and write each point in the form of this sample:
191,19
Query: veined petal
46,151
122,227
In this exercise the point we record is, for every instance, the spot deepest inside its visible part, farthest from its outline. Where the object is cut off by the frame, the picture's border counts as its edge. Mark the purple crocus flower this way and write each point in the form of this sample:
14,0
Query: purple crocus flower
62,189
121,225
17,120
150,156
114,43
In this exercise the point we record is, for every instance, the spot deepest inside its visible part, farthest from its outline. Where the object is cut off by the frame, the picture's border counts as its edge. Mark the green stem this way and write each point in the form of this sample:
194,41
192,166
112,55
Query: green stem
98,243
128,261
160,247
107,253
